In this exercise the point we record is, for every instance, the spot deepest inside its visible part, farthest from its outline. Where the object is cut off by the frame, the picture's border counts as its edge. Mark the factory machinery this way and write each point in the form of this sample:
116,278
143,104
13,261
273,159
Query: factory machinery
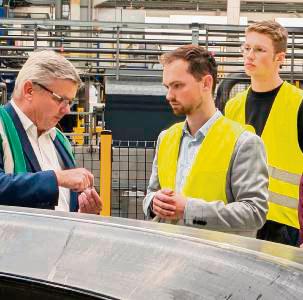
118,61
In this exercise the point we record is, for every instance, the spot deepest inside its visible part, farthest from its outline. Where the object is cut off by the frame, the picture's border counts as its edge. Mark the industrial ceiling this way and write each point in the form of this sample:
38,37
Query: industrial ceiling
204,5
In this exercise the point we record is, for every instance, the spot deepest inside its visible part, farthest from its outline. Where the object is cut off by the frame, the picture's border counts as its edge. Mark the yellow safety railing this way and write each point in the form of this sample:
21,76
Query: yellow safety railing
297,84
106,170
79,139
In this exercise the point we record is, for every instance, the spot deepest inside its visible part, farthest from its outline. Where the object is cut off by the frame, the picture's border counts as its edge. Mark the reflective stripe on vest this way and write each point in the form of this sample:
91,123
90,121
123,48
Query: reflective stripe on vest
283,200
207,177
285,158
284,175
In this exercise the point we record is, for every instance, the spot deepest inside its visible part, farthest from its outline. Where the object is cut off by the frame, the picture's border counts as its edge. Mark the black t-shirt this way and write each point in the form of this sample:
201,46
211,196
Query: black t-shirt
257,109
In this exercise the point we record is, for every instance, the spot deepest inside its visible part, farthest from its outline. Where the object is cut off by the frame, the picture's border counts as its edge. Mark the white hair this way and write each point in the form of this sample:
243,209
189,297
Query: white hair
44,67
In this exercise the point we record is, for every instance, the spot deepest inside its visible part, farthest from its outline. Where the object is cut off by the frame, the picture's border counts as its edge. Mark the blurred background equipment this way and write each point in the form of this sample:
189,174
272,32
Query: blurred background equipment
116,46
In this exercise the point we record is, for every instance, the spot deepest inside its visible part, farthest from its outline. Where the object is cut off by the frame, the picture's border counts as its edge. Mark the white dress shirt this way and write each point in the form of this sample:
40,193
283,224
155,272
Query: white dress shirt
45,152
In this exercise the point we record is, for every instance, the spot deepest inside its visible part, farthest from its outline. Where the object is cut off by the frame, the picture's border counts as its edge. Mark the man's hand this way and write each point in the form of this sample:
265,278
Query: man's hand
90,202
168,205
77,179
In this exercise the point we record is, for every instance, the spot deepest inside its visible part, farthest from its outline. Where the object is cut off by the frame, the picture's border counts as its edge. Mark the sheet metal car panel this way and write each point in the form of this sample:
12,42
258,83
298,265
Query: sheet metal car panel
129,259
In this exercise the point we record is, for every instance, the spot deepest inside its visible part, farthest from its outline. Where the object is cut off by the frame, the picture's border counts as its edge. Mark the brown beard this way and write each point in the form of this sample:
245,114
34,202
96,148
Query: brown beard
181,111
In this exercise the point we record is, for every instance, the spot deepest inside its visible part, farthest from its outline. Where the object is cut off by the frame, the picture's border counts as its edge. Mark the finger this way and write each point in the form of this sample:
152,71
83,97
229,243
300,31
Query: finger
94,202
85,204
86,181
82,175
162,212
164,205
83,185
81,181
168,192
98,201
164,198
81,202
87,192
90,178
89,205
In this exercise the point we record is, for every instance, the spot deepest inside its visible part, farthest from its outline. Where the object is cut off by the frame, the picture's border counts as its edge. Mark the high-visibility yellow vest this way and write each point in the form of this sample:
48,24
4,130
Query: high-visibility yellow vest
285,158
207,177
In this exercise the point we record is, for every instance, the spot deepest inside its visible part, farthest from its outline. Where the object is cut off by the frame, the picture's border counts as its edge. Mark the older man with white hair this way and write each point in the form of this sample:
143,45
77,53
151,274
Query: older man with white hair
37,167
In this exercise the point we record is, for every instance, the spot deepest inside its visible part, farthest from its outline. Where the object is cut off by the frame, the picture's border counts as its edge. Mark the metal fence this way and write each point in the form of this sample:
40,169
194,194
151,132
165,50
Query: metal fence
117,49
131,170
89,157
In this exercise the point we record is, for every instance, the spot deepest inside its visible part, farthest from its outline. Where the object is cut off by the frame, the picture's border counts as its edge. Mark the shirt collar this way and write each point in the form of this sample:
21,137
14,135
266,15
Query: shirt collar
202,132
27,123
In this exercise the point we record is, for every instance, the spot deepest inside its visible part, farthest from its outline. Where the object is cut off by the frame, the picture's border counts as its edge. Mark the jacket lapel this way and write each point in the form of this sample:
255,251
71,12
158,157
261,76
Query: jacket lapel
69,164
31,161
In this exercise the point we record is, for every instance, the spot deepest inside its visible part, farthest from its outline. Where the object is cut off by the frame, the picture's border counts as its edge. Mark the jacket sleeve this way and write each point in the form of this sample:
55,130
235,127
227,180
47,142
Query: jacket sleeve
37,190
246,189
154,184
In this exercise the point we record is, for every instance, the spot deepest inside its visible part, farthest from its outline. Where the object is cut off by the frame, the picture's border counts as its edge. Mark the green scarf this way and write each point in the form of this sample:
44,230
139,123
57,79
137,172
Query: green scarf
15,144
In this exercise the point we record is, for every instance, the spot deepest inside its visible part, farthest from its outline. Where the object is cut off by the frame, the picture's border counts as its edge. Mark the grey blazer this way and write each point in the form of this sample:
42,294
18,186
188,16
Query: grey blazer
246,190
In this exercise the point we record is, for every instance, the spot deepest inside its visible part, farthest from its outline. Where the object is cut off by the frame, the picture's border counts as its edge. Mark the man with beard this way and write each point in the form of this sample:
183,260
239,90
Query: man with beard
208,172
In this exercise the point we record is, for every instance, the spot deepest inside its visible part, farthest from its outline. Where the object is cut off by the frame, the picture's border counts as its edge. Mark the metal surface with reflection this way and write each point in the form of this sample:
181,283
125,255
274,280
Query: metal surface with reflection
129,259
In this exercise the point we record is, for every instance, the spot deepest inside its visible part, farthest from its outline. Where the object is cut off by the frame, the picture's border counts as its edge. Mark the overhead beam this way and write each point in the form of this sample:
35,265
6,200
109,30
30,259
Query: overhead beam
205,5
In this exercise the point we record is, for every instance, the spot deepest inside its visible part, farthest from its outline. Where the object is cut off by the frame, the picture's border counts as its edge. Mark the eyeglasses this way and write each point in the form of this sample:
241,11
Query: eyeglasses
245,49
62,101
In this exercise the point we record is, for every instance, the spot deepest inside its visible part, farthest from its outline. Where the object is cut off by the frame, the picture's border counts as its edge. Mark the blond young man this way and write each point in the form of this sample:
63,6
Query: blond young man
274,108
201,172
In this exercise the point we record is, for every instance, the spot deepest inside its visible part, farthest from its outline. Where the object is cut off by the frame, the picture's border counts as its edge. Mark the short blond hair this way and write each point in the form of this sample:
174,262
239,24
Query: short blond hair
275,31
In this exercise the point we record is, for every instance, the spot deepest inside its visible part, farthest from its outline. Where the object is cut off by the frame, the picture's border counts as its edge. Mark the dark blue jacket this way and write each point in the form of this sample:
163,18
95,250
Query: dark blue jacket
36,188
